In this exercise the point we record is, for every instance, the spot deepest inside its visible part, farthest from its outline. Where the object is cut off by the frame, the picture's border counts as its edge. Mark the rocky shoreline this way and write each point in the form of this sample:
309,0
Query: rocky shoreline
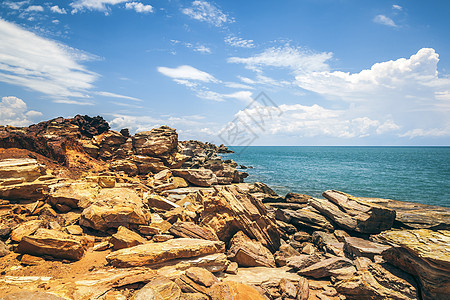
91,213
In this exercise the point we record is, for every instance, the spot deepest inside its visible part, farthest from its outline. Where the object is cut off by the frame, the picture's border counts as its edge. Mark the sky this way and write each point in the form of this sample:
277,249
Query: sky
291,72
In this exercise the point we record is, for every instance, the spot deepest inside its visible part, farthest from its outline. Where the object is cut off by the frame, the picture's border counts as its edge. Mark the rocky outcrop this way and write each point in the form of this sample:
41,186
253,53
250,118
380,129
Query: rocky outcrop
424,254
248,253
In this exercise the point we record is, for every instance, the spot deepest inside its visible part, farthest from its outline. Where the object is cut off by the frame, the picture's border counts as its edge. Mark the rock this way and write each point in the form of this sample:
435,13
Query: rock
156,142
199,177
73,194
113,208
373,281
302,289
302,261
354,214
248,253
288,289
191,230
424,254
155,201
340,235
297,198
52,243
301,236
160,286
201,276
21,168
25,229
323,268
328,242
153,253
102,246
31,260
232,268
3,249
284,253
308,248
159,238
228,210
30,295
194,296
305,217
361,247
74,230
125,238
124,165
147,164
163,175
233,291
214,263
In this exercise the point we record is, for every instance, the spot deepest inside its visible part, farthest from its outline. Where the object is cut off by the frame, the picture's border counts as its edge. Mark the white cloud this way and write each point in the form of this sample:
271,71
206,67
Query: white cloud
202,49
382,19
113,95
34,8
239,42
187,73
206,12
139,7
73,102
99,5
236,85
296,59
434,132
42,65
14,112
56,9
16,5
397,7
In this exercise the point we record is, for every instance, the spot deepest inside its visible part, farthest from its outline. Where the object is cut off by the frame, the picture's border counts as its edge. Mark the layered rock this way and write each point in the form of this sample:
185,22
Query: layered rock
248,253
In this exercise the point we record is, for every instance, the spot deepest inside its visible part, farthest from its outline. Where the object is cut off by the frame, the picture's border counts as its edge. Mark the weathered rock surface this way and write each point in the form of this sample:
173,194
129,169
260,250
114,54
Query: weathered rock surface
25,229
297,198
125,238
354,214
361,247
328,242
305,217
233,291
156,142
228,210
153,253
53,243
159,286
199,177
248,253
303,261
191,230
326,267
424,254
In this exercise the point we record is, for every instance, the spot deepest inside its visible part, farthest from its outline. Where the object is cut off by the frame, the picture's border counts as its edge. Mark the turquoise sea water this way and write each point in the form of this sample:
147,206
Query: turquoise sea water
416,174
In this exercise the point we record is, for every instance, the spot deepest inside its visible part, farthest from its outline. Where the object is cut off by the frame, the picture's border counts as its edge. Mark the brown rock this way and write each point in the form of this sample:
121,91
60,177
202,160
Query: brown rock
187,285
201,276
361,247
288,289
191,230
234,291
155,201
147,164
31,260
194,296
284,253
228,210
153,253
248,253
232,268
354,214
424,254
52,243
156,142
199,177
328,242
323,268
102,246
305,217
72,194
302,261
30,295
302,289
297,198
159,238
3,249
159,287
74,230
25,229
125,238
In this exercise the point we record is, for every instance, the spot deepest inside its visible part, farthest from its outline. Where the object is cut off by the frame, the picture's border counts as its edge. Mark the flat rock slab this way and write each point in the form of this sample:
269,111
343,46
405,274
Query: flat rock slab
424,254
261,275
153,253
326,267
199,177
361,247
191,230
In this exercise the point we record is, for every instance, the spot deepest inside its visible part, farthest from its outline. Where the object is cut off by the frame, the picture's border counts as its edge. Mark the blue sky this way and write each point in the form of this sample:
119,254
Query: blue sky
337,72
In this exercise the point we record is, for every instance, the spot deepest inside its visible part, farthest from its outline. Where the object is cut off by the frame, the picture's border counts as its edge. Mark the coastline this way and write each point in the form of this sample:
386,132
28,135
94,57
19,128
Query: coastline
87,212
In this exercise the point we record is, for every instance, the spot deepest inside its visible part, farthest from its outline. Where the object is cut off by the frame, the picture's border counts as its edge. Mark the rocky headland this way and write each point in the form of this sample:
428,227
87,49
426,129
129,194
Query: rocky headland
90,213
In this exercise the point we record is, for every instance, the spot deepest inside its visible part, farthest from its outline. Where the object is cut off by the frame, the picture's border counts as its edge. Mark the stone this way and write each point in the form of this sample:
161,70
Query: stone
302,289
74,230
328,242
248,253
3,249
301,236
25,229
191,230
361,247
284,253
233,291
302,261
373,281
153,253
159,238
27,169
228,210
156,142
288,289
199,177
424,254
156,201
354,214
305,217
52,243
31,260
340,235
102,246
194,296
163,287
323,268
201,276
214,263
187,285
72,194
232,268
30,295
125,238
107,181
308,248
297,198
147,164
113,208
163,175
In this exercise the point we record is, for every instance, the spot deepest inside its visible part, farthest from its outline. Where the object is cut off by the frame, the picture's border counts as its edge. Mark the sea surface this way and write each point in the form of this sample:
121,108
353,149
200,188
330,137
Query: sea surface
415,174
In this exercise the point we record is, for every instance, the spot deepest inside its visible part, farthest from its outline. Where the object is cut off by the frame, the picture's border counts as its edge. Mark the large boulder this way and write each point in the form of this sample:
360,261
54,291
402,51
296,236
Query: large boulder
154,253
115,207
354,214
156,142
424,254
248,253
228,210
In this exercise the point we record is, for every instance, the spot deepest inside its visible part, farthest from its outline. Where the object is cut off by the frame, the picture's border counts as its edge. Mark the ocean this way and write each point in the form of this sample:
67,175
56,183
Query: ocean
415,174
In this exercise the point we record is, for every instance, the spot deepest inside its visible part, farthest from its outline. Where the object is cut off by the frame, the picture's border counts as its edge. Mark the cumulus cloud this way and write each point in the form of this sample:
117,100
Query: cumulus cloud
296,59
207,12
139,7
36,8
41,64
14,112
238,42
382,19
58,10
397,7
186,72
202,49
99,5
